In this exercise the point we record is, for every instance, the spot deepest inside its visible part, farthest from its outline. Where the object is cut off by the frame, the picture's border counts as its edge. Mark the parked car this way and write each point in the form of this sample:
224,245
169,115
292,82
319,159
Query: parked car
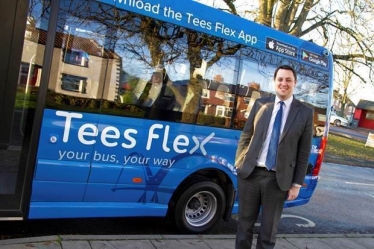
337,120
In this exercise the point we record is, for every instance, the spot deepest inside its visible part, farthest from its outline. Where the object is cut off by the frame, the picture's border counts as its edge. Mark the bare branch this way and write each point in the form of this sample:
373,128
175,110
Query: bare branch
232,8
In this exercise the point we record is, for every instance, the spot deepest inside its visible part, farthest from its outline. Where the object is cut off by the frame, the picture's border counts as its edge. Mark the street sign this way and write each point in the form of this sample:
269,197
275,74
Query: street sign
370,140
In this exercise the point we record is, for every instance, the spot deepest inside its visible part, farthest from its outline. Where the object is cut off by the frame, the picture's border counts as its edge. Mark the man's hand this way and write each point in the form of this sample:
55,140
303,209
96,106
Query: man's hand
293,193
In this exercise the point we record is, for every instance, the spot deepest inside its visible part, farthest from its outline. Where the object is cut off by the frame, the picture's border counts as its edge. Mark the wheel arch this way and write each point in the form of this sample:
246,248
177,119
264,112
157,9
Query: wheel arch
214,175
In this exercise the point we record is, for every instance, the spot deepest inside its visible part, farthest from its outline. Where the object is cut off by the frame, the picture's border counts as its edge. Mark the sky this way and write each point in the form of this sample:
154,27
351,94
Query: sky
364,91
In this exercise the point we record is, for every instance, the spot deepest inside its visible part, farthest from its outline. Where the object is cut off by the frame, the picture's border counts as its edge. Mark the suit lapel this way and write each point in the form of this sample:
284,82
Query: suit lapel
294,109
266,118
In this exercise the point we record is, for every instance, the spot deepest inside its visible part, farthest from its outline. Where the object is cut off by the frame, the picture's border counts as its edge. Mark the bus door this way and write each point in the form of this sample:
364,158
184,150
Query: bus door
69,127
17,111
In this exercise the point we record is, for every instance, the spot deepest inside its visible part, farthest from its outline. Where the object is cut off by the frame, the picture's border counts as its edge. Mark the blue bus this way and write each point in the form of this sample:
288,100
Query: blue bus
133,108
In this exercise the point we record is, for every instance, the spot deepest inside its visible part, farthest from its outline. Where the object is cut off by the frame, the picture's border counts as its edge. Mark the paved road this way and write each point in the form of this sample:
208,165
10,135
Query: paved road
343,202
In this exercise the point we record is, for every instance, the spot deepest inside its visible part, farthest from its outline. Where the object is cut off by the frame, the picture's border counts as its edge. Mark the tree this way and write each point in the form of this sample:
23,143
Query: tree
344,70
147,42
344,89
327,20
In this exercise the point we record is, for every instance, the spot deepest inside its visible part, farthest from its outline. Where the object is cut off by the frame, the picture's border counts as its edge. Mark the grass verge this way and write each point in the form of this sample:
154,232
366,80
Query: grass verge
343,150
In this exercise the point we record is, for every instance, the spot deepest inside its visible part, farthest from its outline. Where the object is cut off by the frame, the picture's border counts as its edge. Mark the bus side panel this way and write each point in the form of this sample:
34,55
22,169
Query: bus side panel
57,191
89,158
63,166
154,157
49,210
59,181
65,171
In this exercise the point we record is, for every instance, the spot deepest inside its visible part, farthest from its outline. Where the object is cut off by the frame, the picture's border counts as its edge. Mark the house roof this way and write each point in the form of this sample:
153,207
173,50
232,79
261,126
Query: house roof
69,41
366,105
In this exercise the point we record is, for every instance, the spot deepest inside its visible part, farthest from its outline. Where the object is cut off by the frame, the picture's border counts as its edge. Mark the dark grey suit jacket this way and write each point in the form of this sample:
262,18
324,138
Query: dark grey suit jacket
294,145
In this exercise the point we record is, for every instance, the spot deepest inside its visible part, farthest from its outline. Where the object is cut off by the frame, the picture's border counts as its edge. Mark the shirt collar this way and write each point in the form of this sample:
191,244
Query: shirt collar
287,102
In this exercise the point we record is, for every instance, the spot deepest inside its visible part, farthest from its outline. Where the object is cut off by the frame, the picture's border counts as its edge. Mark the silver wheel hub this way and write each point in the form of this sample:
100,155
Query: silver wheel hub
201,208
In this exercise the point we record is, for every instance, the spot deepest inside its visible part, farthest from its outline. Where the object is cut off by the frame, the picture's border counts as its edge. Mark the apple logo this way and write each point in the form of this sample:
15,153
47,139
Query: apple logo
271,44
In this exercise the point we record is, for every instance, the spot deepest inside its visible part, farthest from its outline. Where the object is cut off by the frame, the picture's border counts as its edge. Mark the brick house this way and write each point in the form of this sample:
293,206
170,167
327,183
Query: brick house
364,114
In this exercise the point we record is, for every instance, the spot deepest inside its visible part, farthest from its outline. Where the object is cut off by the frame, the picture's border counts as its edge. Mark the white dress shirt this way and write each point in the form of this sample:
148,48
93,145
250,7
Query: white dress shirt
265,146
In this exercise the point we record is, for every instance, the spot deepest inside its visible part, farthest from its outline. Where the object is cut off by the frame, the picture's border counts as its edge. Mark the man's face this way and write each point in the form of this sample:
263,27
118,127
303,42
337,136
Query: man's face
284,84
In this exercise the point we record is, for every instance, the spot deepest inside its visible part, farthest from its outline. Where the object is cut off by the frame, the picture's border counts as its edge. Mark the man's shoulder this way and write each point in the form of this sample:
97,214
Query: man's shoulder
303,106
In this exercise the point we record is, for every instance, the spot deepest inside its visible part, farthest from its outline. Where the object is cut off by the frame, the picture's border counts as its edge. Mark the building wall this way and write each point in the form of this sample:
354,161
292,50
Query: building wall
365,122
348,109
99,72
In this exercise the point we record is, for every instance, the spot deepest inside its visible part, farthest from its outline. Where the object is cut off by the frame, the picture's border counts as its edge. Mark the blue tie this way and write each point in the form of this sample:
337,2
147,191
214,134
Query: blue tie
274,139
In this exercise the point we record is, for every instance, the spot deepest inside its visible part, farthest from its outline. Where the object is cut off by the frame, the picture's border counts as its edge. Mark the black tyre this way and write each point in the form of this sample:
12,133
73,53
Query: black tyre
337,122
200,207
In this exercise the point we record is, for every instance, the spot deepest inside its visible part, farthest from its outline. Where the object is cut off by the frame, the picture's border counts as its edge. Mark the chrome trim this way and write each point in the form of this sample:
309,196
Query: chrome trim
11,218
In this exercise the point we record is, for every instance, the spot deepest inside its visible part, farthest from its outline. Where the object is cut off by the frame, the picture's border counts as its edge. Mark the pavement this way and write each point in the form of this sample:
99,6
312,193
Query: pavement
284,241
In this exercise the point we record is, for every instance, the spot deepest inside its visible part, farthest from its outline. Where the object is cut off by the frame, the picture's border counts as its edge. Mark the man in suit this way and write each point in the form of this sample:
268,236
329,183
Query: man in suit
262,185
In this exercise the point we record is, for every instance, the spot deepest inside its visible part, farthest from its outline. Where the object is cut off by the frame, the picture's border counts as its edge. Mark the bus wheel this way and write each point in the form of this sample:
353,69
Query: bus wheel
200,207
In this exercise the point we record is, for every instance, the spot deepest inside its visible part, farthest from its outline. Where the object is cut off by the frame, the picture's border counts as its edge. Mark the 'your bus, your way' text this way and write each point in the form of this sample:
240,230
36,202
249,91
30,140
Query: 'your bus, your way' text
112,158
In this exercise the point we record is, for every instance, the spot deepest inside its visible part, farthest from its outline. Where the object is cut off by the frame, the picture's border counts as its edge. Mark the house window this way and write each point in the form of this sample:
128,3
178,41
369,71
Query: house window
24,70
370,116
220,111
205,94
223,111
228,111
73,83
229,97
76,57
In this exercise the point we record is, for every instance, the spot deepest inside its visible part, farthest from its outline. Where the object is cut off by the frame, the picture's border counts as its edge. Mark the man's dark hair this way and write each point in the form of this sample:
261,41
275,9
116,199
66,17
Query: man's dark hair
285,67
